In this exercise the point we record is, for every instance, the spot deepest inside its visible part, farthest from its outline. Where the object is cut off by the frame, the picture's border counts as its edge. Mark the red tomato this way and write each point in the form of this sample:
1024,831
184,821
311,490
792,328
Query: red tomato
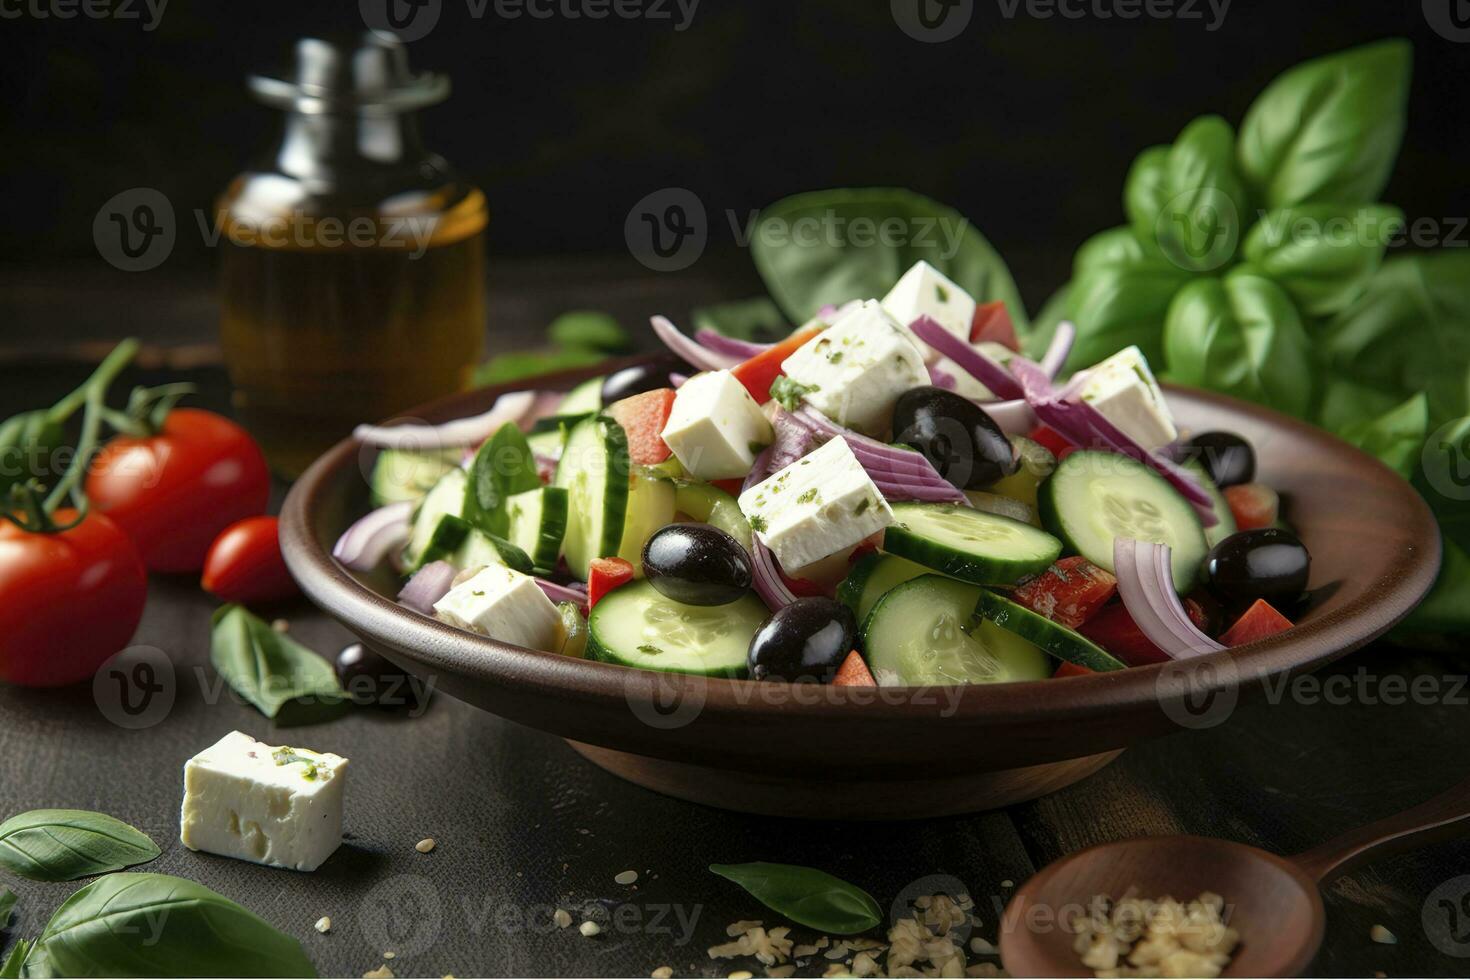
854,673
731,486
174,492
992,321
643,418
1253,505
1114,630
68,600
1066,669
1056,443
760,371
1069,592
605,575
245,564
1256,623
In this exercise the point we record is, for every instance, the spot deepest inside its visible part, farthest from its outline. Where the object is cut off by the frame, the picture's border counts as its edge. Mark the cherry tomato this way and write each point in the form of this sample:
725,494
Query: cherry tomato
245,564
174,492
68,600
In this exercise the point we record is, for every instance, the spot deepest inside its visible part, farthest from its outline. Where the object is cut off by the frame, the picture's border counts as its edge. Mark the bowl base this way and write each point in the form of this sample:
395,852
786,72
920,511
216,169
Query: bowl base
778,795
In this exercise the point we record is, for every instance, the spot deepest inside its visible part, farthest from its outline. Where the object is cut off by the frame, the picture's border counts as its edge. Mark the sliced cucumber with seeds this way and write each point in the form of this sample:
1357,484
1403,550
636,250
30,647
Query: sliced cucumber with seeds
969,544
463,545
873,577
538,521
711,505
1094,497
1053,637
637,626
925,632
594,471
548,443
400,474
584,399
447,498
1224,525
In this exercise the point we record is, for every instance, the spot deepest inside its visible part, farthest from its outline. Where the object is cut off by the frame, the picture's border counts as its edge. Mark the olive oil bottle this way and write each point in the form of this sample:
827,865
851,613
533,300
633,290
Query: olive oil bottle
352,270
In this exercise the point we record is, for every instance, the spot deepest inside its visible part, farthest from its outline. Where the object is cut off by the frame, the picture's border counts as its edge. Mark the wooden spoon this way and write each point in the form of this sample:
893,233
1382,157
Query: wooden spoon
1273,901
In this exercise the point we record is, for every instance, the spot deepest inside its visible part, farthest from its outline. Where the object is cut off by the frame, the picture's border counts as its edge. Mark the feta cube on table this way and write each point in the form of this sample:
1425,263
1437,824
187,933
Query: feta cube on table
270,804
819,505
505,605
715,428
925,291
854,371
1123,389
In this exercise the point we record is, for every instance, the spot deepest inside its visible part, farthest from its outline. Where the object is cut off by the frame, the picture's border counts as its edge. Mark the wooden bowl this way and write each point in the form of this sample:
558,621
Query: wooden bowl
808,750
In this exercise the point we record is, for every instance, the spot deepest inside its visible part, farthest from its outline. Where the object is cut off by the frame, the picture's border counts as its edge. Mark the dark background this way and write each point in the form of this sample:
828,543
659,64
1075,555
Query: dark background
1026,125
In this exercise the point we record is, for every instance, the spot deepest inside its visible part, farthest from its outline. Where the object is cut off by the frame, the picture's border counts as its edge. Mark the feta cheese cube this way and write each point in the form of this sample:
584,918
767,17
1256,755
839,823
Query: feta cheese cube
270,804
925,291
715,428
817,506
854,371
505,605
1123,389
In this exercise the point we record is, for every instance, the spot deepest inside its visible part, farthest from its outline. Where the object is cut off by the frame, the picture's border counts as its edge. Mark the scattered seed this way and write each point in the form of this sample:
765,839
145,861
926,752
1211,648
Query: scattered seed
381,973
742,975
425,846
280,625
323,924
562,918
589,928
626,877
1381,935
662,973
389,955
1008,883
982,947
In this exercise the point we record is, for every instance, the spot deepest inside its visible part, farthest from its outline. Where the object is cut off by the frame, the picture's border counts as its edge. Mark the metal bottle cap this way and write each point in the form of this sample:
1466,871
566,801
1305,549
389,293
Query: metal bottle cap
363,71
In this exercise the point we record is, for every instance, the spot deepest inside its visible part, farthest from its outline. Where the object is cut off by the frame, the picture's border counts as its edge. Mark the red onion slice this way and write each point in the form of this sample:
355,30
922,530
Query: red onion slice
767,580
1146,583
685,347
557,592
967,358
370,538
512,407
1014,416
713,340
676,380
428,585
1060,347
901,468
940,378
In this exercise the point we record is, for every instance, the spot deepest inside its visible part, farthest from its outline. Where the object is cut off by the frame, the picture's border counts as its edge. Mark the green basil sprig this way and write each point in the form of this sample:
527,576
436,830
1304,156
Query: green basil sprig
151,925
806,896
271,670
504,466
1187,197
10,967
63,845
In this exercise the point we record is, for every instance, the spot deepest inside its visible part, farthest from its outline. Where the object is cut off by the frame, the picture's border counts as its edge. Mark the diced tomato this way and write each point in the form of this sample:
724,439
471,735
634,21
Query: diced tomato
1070,592
1056,443
606,574
1253,505
1256,623
864,548
1114,630
992,321
762,369
731,486
805,587
643,418
854,673
1071,670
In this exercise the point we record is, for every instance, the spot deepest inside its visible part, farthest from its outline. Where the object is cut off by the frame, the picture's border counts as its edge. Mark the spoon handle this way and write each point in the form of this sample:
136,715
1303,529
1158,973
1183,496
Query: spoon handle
1442,818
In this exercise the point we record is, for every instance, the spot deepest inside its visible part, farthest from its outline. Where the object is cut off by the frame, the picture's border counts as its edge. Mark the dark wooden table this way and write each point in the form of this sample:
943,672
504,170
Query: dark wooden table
524,826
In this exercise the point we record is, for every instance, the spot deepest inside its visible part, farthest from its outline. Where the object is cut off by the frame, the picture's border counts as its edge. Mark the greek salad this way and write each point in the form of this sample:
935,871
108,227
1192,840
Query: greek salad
892,495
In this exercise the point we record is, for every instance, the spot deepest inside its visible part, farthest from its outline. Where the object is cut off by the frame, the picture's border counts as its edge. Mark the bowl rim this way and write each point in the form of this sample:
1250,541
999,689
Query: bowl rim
445,649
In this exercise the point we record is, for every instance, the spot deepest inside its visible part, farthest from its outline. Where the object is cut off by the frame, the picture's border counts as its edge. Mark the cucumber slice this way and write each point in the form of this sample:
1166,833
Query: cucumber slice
711,505
582,400
399,474
637,626
1036,464
924,632
650,507
538,521
1053,637
994,503
574,625
873,577
1224,525
447,498
594,472
1095,496
549,443
969,544
463,545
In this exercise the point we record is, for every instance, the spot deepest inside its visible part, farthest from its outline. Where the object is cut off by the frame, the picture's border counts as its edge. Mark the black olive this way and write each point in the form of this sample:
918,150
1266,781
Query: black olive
638,378
964,444
369,678
1267,563
805,642
1226,457
696,564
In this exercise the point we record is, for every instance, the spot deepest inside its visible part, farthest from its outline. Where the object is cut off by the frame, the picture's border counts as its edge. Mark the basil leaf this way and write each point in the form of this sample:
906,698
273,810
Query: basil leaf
1396,437
806,896
1188,199
836,245
7,906
1322,254
271,670
1328,130
1240,335
11,967
756,319
504,466
63,845
504,368
1120,294
150,925
590,330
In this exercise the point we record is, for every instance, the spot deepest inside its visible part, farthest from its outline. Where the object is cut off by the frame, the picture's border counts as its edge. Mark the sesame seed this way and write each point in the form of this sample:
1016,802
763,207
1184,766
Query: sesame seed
589,928
562,918
626,877
425,846
1381,935
323,924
